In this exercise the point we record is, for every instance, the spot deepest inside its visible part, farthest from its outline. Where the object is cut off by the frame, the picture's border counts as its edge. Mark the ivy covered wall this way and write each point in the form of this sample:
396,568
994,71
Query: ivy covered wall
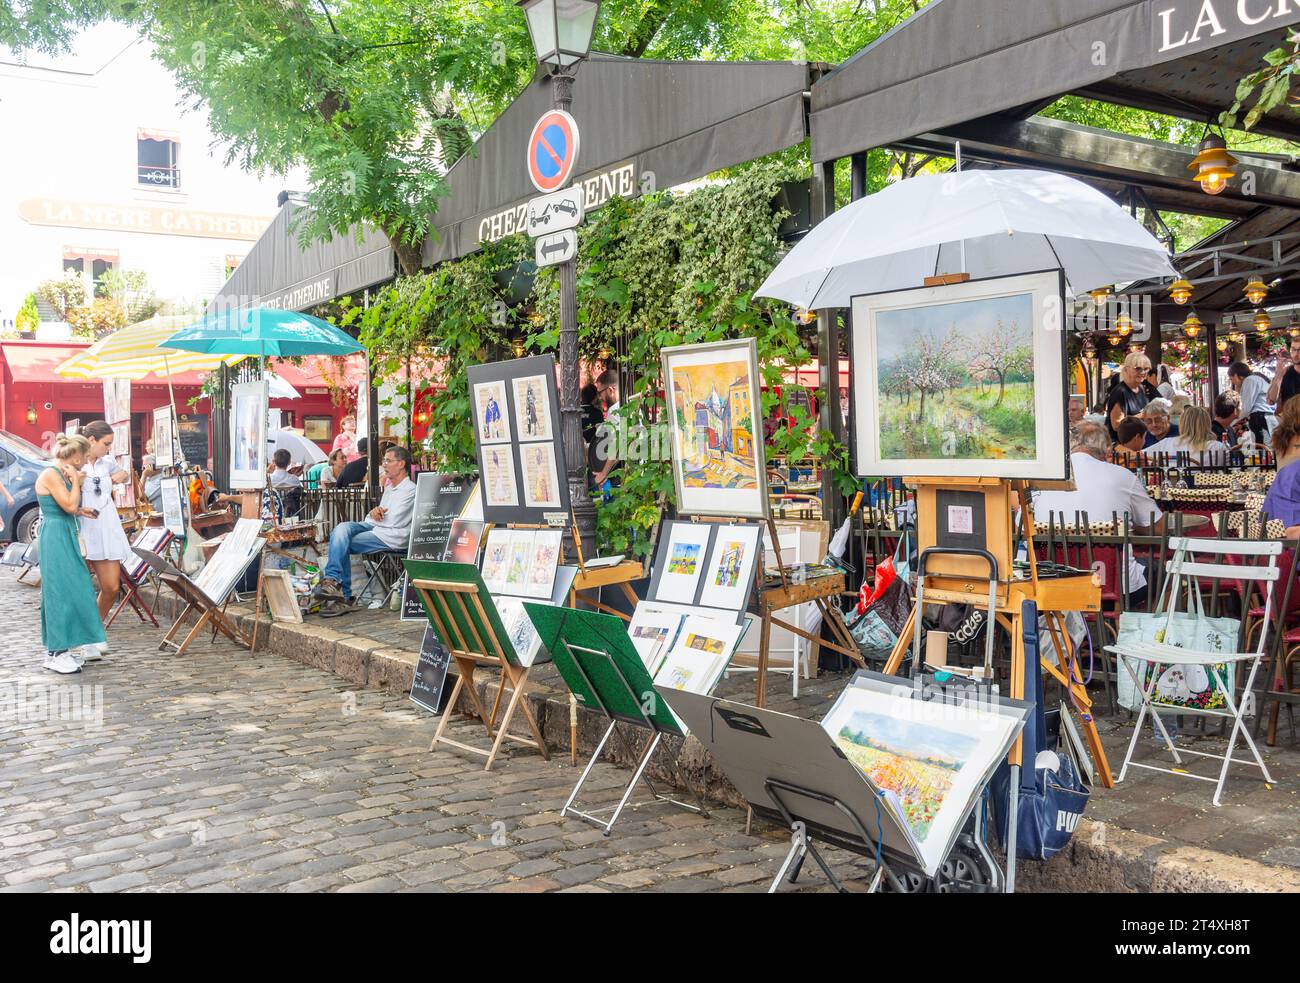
653,272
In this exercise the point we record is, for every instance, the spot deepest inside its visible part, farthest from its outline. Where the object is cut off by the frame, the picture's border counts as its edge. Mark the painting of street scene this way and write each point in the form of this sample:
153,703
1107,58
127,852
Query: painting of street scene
956,380
715,425
914,761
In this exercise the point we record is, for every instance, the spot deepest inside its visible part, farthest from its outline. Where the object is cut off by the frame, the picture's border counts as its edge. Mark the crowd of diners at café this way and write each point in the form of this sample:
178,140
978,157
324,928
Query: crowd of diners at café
1143,420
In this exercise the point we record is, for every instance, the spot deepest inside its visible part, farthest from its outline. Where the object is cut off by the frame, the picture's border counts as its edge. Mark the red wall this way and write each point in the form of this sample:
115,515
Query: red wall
32,385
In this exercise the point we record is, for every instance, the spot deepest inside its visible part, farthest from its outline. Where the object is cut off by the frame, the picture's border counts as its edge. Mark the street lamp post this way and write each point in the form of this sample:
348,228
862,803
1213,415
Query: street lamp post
561,32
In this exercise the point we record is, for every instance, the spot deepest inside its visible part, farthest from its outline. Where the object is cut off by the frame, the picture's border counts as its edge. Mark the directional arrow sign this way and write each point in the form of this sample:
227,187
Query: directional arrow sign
560,247
557,212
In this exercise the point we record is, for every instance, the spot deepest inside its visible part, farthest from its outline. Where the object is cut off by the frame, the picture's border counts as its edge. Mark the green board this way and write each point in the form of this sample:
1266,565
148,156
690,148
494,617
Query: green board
604,633
467,622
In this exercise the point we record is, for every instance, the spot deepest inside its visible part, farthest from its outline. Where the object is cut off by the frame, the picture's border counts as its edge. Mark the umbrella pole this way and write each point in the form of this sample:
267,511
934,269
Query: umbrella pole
171,395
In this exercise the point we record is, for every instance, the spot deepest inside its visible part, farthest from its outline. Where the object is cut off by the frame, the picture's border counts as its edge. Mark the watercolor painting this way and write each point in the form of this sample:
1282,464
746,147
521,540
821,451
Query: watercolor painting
914,761
532,408
684,559
541,482
499,476
491,417
703,643
727,573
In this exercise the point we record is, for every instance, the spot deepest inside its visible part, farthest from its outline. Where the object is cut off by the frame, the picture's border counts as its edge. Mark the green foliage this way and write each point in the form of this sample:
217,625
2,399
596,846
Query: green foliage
1266,88
63,293
669,270
28,315
130,290
435,326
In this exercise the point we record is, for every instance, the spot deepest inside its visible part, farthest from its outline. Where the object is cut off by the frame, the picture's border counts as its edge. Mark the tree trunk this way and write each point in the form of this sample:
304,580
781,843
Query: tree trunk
408,256
1002,387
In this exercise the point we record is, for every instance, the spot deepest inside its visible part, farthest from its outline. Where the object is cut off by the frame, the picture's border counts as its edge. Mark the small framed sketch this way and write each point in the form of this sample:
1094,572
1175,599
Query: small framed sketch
546,558
496,554
491,416
164,437
499,490
248,434
730,567
533,408
173,495
280,597
685,559
541,482
715,411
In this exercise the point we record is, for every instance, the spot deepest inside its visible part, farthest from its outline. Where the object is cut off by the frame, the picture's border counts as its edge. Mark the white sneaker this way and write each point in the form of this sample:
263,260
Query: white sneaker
62,662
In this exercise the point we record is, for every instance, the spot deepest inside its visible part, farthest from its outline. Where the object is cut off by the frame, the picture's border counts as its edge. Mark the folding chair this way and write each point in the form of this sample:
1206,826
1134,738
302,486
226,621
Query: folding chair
1157,656
385,570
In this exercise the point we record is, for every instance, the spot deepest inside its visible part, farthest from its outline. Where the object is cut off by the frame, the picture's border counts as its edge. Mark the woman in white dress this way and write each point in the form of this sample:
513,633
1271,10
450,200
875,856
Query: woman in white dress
106,544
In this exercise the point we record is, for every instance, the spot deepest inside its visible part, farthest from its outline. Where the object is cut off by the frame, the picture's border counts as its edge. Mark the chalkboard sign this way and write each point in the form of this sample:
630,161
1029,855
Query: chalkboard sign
439,499
430,673
192,431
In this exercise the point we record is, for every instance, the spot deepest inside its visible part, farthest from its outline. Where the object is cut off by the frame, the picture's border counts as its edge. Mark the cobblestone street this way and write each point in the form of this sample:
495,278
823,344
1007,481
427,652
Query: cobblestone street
222,770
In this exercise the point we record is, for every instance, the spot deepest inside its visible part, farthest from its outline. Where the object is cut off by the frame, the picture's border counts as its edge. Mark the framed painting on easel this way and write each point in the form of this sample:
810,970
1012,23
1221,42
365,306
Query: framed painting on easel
962,380
715,410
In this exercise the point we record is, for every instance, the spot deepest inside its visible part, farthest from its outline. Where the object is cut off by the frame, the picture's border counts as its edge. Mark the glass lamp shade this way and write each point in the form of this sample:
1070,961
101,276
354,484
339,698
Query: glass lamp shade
1180,291
1192,326
561,29
1255,290
1124,324
1114,340
1099,295
1261,321
1213,165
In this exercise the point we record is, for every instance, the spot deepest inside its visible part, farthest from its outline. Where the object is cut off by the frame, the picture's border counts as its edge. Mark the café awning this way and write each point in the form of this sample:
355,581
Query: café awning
645,125
279,272
960,60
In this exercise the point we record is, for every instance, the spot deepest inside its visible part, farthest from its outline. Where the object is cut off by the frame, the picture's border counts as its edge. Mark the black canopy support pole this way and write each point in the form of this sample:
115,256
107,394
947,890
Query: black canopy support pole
1212,360
372,428
828,346
857,176
221,429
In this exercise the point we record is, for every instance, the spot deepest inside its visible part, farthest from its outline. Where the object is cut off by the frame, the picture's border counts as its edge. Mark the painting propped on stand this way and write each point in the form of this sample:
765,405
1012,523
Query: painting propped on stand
962,380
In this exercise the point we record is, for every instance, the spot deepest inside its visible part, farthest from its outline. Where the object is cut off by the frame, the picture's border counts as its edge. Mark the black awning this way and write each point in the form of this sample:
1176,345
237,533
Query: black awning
644,124
278,272
960,60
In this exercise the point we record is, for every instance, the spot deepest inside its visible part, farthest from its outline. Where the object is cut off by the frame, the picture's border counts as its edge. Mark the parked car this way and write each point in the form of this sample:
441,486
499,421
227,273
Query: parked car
20,464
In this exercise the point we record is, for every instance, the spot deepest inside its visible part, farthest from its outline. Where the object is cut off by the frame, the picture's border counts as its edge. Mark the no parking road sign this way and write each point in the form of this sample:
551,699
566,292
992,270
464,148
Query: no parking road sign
552,151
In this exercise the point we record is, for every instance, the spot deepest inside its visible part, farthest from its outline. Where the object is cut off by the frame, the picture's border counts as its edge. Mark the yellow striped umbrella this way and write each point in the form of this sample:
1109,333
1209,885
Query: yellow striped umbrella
134,352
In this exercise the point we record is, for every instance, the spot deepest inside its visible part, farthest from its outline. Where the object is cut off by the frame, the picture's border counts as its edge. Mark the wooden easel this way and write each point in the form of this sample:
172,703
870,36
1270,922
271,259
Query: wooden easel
621,574
471,634
1053,597
196,600
777,598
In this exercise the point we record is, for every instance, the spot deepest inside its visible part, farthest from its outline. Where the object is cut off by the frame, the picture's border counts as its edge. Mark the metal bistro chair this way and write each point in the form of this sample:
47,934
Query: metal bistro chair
1154,657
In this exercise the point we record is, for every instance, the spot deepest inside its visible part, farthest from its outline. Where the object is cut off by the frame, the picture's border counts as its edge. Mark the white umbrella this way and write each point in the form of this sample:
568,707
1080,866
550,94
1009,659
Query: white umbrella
994,223
301,450
279,389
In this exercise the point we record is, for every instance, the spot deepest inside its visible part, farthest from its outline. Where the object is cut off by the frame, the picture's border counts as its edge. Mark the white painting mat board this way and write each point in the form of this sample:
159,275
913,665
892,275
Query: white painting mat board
929,758
685,557
729,571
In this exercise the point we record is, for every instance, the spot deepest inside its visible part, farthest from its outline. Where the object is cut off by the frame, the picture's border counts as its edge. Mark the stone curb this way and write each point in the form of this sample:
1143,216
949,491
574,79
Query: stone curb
1099,858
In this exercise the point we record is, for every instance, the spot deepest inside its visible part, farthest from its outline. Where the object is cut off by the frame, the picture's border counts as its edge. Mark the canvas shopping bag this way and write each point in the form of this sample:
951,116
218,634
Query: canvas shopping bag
1189,687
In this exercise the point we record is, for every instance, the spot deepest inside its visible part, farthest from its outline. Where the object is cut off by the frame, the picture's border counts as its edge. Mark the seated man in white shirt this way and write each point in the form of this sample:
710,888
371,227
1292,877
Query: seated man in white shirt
389,528
1103,490
281,477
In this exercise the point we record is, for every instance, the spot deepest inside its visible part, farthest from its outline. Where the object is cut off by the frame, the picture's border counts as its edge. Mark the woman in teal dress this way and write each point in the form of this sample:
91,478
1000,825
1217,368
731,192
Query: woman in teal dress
69,613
